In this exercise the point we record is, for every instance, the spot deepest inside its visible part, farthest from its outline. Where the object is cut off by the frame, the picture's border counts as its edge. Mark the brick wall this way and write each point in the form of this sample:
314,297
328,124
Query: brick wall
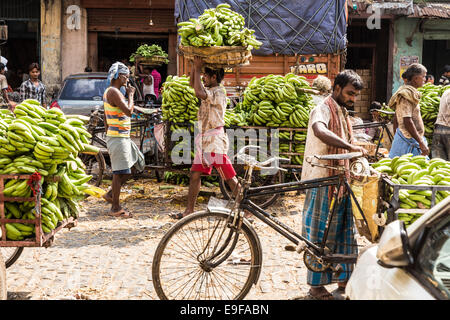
363,101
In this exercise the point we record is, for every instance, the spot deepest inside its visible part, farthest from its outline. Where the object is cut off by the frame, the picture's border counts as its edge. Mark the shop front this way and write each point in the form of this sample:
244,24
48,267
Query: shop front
115,29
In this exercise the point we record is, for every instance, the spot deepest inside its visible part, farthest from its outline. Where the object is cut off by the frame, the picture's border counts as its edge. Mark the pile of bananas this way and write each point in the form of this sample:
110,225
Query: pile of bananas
47,142
385,107
277,101
429,106
179,103
147,51
218,26
416,171
298,146
235,118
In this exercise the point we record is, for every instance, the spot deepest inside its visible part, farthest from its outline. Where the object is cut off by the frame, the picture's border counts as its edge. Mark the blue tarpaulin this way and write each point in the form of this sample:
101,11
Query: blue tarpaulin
285,27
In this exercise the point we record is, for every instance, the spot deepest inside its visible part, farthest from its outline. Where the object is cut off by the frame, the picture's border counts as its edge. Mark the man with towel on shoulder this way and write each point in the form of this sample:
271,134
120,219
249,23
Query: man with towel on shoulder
122,150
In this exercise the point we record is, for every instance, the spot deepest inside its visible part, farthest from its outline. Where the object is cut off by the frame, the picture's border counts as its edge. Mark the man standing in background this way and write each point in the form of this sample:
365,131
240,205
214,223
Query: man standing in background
441,136
156,81
445,78
4,100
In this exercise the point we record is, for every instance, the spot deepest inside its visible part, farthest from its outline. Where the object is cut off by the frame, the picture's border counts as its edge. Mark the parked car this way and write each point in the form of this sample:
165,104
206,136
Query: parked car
81,93
412,264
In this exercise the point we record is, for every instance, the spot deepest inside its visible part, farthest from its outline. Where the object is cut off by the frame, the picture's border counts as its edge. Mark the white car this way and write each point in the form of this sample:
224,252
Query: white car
412,264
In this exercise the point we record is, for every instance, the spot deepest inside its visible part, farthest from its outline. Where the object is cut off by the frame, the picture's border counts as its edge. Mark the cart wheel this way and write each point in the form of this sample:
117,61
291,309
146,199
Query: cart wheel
10,255
258,180
3,293
95,166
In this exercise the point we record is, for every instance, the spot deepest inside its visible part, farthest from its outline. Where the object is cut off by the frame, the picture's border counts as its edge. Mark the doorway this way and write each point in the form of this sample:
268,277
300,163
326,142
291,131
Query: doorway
112,48
435,56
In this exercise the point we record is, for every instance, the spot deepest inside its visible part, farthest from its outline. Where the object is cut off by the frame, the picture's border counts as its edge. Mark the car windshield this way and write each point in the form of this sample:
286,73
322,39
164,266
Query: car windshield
434,257
84,89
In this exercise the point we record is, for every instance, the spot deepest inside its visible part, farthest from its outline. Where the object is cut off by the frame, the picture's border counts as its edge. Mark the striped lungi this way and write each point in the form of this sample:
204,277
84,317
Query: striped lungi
340,235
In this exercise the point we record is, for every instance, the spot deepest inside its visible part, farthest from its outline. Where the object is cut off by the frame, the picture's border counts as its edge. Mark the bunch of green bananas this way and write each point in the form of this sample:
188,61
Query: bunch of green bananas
235,118
183,179
176,178
409,218
298,146
6,115
277,101
416,171
385,107
48,142
179,103
218,26
149,51
429,106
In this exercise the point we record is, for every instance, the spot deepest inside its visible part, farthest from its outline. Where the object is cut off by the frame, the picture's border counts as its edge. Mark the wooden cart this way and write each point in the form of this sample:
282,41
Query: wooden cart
40,239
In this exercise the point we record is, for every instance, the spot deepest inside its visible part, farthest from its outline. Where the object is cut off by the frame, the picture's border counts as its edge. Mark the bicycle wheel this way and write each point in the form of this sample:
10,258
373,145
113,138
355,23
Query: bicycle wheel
95,166
180,271
258,180
3,293
10,255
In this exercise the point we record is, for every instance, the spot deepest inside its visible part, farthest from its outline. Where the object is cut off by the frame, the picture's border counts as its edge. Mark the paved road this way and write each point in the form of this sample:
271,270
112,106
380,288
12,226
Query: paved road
110,258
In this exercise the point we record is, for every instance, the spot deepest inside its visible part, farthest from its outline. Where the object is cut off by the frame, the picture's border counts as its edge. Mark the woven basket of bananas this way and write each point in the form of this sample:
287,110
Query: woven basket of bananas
150,61
218,56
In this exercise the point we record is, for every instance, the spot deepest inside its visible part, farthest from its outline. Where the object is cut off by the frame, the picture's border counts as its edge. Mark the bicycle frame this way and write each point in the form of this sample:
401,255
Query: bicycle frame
243,202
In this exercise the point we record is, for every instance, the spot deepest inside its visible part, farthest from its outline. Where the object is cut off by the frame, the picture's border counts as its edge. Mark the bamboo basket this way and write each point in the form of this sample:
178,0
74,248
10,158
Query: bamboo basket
150,61
218,56
370,147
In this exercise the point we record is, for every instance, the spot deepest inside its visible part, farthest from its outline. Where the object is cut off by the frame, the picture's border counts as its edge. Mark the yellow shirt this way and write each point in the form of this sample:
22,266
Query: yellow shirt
119,124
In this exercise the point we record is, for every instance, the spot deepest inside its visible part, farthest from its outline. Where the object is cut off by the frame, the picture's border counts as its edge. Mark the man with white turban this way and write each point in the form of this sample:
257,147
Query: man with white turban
123,152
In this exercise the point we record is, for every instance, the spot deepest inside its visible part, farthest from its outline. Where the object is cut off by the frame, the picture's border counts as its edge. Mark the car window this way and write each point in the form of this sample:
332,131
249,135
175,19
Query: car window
84,89
434,257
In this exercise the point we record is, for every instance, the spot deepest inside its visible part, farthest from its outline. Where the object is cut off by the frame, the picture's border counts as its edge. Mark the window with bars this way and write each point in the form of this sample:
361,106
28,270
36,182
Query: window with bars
25,10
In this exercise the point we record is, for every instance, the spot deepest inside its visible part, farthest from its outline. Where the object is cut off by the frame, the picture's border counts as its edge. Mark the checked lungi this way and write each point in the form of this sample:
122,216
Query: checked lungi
340,235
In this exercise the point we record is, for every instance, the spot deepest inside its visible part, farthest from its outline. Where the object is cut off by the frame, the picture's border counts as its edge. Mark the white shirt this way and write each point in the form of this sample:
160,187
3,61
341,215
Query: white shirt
148,89
315,146
443,117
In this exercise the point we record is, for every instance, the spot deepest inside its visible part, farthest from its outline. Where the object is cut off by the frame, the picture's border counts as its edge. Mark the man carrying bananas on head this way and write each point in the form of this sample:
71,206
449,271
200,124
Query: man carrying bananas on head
211,144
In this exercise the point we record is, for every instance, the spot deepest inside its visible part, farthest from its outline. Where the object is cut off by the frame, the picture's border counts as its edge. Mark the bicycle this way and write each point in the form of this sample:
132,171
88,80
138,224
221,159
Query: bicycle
95,164
145,126
216,253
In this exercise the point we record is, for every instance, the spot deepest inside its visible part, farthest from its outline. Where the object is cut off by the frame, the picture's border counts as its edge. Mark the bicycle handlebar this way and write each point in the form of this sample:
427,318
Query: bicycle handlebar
383,111
251,161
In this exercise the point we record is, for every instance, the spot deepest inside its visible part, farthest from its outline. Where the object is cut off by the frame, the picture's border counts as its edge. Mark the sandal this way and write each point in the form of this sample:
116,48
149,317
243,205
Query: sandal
121,213
176,216
321,296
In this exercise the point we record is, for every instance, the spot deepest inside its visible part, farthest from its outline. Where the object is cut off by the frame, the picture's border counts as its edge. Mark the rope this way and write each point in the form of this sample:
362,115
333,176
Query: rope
255,17
307,23
33,182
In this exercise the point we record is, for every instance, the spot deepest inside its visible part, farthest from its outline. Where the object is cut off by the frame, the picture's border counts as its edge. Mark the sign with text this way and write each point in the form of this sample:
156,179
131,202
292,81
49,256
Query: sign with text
406,61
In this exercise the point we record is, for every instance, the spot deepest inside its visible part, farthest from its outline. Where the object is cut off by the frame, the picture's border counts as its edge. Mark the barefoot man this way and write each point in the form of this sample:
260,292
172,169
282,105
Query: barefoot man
122,150
211,144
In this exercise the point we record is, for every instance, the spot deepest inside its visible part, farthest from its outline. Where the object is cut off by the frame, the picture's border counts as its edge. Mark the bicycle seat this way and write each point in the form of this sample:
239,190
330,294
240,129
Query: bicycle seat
343,156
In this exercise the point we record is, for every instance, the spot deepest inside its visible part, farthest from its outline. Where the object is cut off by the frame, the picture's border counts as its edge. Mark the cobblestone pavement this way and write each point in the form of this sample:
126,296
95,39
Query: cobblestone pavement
110,258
